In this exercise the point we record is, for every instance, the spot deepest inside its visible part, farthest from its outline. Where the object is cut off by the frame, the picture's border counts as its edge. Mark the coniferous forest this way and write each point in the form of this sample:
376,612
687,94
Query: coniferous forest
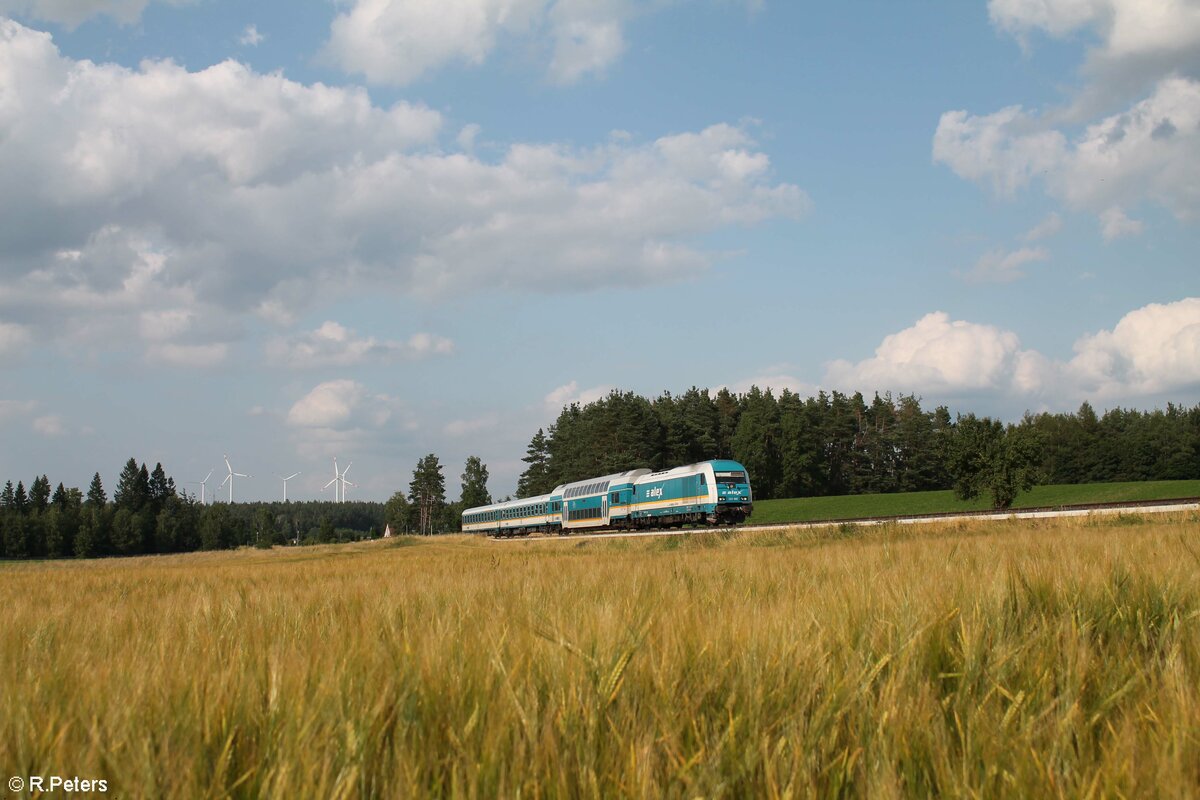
835,444
830,444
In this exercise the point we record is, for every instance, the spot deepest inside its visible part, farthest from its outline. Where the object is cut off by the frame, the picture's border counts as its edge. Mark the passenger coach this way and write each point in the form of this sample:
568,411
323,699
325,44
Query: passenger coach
711,492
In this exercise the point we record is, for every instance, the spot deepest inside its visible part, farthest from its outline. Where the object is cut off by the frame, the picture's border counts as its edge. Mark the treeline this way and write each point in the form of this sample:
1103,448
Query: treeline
834,443
148,515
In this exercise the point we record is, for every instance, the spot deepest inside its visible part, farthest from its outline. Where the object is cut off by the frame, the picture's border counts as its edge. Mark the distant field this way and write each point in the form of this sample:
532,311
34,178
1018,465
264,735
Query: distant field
804,509
968,659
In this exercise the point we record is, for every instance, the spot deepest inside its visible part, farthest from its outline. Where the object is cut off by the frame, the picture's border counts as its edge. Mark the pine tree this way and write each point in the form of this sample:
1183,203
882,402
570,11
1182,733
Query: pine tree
15,544
39,494
126,538
216,528
398,513
474,484
92,539
427,491
8,498
159,488
60,496
96,498
798,448
534,479
143,487
133,487
20,499
757,439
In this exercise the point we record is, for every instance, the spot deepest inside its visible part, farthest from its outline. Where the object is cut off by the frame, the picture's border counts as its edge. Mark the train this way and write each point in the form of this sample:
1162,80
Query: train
713,492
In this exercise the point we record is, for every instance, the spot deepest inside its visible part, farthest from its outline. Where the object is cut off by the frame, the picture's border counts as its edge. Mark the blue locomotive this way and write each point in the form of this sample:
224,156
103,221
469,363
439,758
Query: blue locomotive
711,492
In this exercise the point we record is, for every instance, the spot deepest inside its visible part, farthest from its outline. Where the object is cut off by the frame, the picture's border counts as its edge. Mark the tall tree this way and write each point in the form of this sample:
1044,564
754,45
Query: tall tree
125,534
216,527
398,514
535,479
39,494
987,457
159,488
130,493
474,483
427,491
756,441
96,498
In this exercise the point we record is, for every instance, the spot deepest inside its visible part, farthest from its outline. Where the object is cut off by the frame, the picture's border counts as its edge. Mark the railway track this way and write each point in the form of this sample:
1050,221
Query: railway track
1044,512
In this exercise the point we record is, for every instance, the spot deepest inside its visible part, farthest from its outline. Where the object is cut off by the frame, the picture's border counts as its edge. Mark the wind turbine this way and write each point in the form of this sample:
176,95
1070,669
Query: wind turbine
201,485
334,483
229,478
339,482
285,480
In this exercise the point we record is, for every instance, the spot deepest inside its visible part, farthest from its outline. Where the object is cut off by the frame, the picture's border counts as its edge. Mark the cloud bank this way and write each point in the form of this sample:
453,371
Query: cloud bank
1150,351
1134,151
229,193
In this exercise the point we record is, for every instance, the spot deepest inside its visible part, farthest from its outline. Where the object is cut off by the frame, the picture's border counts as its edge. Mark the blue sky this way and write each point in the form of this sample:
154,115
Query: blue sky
380,228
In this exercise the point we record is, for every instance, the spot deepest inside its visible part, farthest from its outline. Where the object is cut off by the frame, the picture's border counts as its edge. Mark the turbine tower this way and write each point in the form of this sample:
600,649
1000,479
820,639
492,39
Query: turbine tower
229,478
285,480
339,482
201,484
334,483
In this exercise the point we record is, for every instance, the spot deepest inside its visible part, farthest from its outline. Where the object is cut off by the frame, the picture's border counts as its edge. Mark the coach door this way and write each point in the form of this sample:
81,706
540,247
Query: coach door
604,507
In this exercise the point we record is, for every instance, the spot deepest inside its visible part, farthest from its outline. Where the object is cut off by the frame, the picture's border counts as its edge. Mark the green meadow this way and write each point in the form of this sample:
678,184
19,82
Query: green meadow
808,509
1047,658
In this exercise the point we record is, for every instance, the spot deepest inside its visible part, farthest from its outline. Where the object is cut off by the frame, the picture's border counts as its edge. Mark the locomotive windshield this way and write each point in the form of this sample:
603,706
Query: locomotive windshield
731,478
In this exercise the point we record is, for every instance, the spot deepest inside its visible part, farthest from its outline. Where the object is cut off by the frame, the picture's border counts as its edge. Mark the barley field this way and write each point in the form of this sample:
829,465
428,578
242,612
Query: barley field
1052,658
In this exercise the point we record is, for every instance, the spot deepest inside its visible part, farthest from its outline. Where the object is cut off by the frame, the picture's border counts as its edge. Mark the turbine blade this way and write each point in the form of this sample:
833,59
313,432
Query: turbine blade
206,477
347,469
326,486
227,464
228,478
289,477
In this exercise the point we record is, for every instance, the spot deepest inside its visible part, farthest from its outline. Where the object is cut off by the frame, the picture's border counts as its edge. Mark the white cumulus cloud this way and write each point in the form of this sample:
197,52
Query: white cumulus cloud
342,416
1135,36
333,404
937,354
1152,349
1149,152
1005,149
132,193
333,344
73,12
398,41
570,393
1132,132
